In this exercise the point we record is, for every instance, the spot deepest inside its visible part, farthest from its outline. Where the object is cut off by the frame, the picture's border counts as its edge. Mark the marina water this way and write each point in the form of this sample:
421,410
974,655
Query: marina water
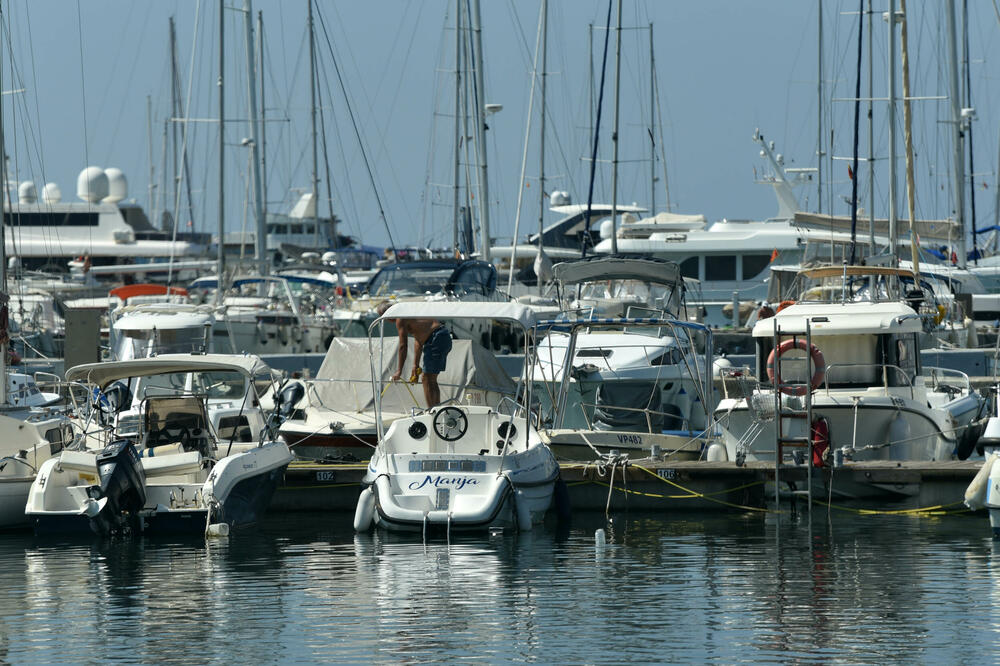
664,588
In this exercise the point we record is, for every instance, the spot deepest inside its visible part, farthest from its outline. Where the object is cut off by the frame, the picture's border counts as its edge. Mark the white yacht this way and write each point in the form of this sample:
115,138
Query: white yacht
846,366
100,230
607,368
456,466
166,465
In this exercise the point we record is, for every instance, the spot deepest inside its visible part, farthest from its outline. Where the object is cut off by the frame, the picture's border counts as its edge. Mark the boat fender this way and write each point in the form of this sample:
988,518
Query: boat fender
365,512
716,452
283,334
820,440
261,333
899,437
217,530
774,373
975,494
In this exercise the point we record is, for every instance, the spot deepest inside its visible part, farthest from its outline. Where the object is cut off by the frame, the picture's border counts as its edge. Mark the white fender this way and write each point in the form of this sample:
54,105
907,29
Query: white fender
365,513
716,452
975,494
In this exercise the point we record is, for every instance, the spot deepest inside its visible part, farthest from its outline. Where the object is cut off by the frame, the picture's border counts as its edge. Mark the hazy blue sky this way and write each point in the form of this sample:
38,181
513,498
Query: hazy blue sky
723,69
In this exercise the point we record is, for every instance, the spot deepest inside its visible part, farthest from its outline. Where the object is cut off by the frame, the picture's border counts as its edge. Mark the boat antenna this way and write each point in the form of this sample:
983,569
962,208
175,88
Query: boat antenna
597,135
857,121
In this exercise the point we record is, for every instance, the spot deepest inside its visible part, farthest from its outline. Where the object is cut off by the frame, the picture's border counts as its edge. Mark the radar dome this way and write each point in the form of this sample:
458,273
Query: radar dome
51,193
117,185
92,184
26,192
606,228
560,198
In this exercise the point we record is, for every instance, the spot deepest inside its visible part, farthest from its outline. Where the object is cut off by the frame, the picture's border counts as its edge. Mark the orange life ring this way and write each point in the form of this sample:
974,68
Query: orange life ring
817,358
784,304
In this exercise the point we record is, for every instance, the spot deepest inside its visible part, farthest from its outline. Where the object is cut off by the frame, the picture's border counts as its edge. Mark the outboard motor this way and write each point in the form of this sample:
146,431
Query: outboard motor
114,504
288,397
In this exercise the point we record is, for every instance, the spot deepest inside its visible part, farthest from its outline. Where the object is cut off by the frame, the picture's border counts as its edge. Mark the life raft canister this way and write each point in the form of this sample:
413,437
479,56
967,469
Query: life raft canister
818,361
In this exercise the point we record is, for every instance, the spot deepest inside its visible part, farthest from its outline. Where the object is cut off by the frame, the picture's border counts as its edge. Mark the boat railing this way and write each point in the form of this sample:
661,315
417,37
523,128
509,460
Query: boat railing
75,395
946,377
885,368
646,411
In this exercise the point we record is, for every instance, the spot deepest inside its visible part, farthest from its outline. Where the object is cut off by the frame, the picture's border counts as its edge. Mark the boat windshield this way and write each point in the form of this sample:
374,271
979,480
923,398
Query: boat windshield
214,384
411,279
651,297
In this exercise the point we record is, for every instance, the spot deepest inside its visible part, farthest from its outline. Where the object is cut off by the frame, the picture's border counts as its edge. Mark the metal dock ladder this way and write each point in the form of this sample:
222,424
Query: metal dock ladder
793,425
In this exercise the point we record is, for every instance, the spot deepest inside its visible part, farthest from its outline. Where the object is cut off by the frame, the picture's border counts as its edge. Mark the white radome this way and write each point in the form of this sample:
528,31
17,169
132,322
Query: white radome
51,193
92,184
27,193
117,185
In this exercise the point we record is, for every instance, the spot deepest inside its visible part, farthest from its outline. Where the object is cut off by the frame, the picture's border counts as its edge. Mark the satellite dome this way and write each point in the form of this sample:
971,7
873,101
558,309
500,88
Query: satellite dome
92,184
26,192
560,198
51,193
117,185
606,228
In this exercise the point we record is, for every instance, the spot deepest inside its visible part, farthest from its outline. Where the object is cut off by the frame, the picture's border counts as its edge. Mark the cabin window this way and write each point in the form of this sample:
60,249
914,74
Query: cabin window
689,268
753,264
906,358
720,267
46,219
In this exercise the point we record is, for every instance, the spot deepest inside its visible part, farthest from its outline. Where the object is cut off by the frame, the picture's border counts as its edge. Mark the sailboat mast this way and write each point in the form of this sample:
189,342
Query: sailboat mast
968,129
893,230
456,222
312,114
819,107
871,137
541,170
260,249
911,204
614,133
220,259
4,194
174,107
484,190
263,115
652,126
956,120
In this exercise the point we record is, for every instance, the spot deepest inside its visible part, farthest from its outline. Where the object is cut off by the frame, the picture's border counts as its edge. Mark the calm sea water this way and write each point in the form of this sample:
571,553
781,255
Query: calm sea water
686,589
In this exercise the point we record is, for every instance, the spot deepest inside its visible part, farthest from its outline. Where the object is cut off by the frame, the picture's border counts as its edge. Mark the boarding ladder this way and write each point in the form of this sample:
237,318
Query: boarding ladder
793,425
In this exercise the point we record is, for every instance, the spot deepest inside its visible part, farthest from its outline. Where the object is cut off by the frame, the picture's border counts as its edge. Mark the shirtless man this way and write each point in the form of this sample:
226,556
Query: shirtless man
431,339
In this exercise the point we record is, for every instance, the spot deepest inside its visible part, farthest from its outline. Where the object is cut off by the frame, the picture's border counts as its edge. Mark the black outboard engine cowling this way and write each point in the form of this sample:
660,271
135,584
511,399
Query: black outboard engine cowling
122,493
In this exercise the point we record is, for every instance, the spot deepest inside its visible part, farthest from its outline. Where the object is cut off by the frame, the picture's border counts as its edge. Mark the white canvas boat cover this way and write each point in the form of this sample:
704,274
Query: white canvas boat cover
446,310
656,271
469,366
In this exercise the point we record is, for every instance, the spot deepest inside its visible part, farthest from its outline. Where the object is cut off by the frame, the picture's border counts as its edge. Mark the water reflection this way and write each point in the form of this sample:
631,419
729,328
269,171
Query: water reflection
679,588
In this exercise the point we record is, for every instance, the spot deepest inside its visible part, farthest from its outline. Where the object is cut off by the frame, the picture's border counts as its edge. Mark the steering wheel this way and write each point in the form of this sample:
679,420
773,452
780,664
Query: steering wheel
450,423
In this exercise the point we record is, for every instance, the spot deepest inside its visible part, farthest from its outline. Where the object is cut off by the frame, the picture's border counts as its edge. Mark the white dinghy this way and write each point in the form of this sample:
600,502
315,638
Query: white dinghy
454,466
178,471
